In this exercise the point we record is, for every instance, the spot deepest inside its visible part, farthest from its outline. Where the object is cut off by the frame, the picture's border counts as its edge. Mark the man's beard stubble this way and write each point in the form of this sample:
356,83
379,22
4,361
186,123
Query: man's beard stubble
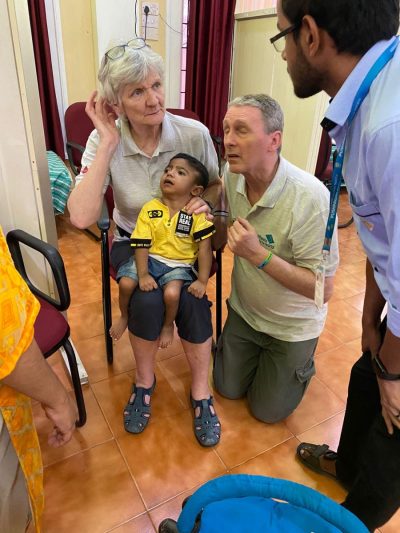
306,80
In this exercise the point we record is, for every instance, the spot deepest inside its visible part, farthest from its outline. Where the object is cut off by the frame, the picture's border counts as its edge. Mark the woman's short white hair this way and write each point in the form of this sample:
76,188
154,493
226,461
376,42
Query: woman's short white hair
133,66
271,111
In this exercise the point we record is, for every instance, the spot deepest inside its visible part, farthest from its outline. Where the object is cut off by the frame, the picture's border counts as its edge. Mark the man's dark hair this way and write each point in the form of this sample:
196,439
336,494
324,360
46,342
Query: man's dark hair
202,176
354,25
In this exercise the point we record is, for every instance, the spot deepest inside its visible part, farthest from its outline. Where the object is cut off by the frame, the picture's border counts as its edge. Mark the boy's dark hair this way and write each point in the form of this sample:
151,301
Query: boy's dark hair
202,176
354,25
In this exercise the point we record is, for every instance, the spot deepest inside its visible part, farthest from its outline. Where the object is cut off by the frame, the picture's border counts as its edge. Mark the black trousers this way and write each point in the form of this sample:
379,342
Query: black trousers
368,457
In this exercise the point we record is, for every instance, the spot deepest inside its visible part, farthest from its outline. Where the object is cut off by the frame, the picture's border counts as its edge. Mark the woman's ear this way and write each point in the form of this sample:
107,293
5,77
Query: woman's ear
115,108
197,190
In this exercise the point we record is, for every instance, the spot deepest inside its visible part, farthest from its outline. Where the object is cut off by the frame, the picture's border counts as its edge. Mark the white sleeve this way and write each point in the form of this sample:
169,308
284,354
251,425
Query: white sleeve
210,155
88,157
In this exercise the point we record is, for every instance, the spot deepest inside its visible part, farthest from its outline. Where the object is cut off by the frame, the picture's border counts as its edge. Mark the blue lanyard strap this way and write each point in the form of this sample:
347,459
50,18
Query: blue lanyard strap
362,92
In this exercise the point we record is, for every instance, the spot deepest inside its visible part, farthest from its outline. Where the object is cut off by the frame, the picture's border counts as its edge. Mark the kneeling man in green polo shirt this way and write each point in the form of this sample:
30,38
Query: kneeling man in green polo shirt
278,217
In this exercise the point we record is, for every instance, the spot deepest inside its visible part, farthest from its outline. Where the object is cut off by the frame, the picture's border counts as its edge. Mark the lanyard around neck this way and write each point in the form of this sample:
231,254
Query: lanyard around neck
362,92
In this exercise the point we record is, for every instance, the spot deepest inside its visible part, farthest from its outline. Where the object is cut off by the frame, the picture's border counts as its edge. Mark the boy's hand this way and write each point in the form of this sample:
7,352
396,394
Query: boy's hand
147,283
197,288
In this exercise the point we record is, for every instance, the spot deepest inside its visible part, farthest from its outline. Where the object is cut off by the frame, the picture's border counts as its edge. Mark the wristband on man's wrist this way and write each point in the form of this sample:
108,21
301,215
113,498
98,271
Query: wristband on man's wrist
220,213
381,371
209,204
266,261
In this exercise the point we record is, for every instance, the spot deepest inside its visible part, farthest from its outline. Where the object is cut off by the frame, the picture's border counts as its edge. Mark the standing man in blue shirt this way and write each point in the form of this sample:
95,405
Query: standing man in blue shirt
349,50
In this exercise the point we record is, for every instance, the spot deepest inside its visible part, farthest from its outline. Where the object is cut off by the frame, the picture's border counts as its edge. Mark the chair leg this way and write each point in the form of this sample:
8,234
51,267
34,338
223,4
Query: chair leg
76,383
105,271
218,295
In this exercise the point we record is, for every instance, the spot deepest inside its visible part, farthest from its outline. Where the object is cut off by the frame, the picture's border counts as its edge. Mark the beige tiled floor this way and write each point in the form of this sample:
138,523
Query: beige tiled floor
108,480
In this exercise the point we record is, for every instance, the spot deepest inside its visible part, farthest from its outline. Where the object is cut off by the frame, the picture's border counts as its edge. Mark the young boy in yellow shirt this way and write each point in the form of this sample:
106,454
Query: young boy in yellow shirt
167,243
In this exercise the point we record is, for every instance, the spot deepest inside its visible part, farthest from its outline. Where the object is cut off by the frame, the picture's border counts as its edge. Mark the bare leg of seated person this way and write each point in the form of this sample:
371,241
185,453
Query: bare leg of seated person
172,293
207,429
126,287
136,418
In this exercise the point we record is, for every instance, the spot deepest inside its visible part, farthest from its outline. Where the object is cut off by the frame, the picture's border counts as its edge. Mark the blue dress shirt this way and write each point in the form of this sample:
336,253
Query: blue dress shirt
371,169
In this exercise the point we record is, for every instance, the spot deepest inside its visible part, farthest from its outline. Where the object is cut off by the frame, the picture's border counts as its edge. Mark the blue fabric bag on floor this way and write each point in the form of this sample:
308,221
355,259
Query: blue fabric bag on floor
258,504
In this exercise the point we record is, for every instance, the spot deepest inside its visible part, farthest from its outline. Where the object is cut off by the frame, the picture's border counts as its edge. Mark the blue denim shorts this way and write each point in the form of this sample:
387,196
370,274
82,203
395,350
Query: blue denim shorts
161,272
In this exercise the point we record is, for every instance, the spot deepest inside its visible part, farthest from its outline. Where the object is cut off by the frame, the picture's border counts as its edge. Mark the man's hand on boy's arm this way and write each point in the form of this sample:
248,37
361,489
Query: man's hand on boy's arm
207,202
198,287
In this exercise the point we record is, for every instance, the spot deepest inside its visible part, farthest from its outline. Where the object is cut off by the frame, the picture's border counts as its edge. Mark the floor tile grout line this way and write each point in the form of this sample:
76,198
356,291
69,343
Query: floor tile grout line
62,459
114,528
321,422
261,453
131,474
335,392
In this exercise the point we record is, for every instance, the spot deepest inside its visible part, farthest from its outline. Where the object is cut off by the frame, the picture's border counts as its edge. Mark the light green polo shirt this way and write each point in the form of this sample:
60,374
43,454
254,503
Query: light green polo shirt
290,219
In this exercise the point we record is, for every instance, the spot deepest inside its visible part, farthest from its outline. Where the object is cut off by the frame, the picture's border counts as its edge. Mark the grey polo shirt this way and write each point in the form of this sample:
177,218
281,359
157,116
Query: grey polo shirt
290,220
135,176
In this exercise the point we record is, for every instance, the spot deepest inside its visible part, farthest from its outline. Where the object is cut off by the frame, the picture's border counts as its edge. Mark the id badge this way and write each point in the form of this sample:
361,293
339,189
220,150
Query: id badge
319,285
184,224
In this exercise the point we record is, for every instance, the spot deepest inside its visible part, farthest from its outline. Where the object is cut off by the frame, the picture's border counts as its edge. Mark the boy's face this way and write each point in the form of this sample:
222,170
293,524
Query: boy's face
180,178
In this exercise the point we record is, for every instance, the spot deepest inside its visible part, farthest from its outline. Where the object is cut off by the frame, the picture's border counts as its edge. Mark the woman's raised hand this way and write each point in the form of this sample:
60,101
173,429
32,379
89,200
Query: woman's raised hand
103,118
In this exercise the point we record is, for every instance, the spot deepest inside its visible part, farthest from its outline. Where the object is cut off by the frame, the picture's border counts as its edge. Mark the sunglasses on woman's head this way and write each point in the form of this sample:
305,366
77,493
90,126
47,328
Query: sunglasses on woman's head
118,51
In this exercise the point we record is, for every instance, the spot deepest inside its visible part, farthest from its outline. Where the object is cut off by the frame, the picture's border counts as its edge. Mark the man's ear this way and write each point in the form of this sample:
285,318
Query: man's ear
197,190
311,37
275,140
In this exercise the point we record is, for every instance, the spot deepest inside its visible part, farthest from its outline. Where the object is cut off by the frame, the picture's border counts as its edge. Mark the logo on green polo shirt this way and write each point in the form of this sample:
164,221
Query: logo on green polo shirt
267,241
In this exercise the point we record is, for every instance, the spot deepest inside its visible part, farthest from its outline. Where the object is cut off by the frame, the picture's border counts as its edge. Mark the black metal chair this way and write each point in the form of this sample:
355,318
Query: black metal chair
51,328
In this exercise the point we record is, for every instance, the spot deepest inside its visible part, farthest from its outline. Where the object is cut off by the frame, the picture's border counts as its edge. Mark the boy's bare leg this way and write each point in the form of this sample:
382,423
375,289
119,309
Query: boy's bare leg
126,287
172,293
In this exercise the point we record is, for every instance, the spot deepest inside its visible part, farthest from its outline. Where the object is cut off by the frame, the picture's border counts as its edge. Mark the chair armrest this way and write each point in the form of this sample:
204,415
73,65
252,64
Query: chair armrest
53,257
103,223
73,146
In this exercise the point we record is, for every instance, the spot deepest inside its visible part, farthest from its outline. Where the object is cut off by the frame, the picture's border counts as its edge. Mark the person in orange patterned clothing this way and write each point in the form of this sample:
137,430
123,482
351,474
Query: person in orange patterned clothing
24,374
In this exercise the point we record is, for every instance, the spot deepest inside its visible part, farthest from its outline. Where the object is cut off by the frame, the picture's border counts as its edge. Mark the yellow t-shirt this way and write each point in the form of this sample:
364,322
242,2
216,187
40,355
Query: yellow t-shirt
18,311
174,238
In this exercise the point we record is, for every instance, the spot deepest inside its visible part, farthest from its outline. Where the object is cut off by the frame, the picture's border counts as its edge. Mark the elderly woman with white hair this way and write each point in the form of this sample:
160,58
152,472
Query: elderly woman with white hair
130,154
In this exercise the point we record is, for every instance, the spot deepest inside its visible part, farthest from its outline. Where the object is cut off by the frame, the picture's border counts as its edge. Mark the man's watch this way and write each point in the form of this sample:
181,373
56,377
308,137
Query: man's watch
381,371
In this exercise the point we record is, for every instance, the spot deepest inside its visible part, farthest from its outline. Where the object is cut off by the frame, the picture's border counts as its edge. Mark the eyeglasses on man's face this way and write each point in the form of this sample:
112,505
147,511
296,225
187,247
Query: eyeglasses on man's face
118,51
278,42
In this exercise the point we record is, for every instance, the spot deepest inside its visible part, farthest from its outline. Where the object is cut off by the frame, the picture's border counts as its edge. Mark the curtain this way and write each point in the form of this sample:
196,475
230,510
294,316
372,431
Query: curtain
44,71
209,51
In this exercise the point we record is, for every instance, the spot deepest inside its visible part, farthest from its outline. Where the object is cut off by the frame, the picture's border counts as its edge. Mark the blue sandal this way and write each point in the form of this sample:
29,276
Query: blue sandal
207,427
137,413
